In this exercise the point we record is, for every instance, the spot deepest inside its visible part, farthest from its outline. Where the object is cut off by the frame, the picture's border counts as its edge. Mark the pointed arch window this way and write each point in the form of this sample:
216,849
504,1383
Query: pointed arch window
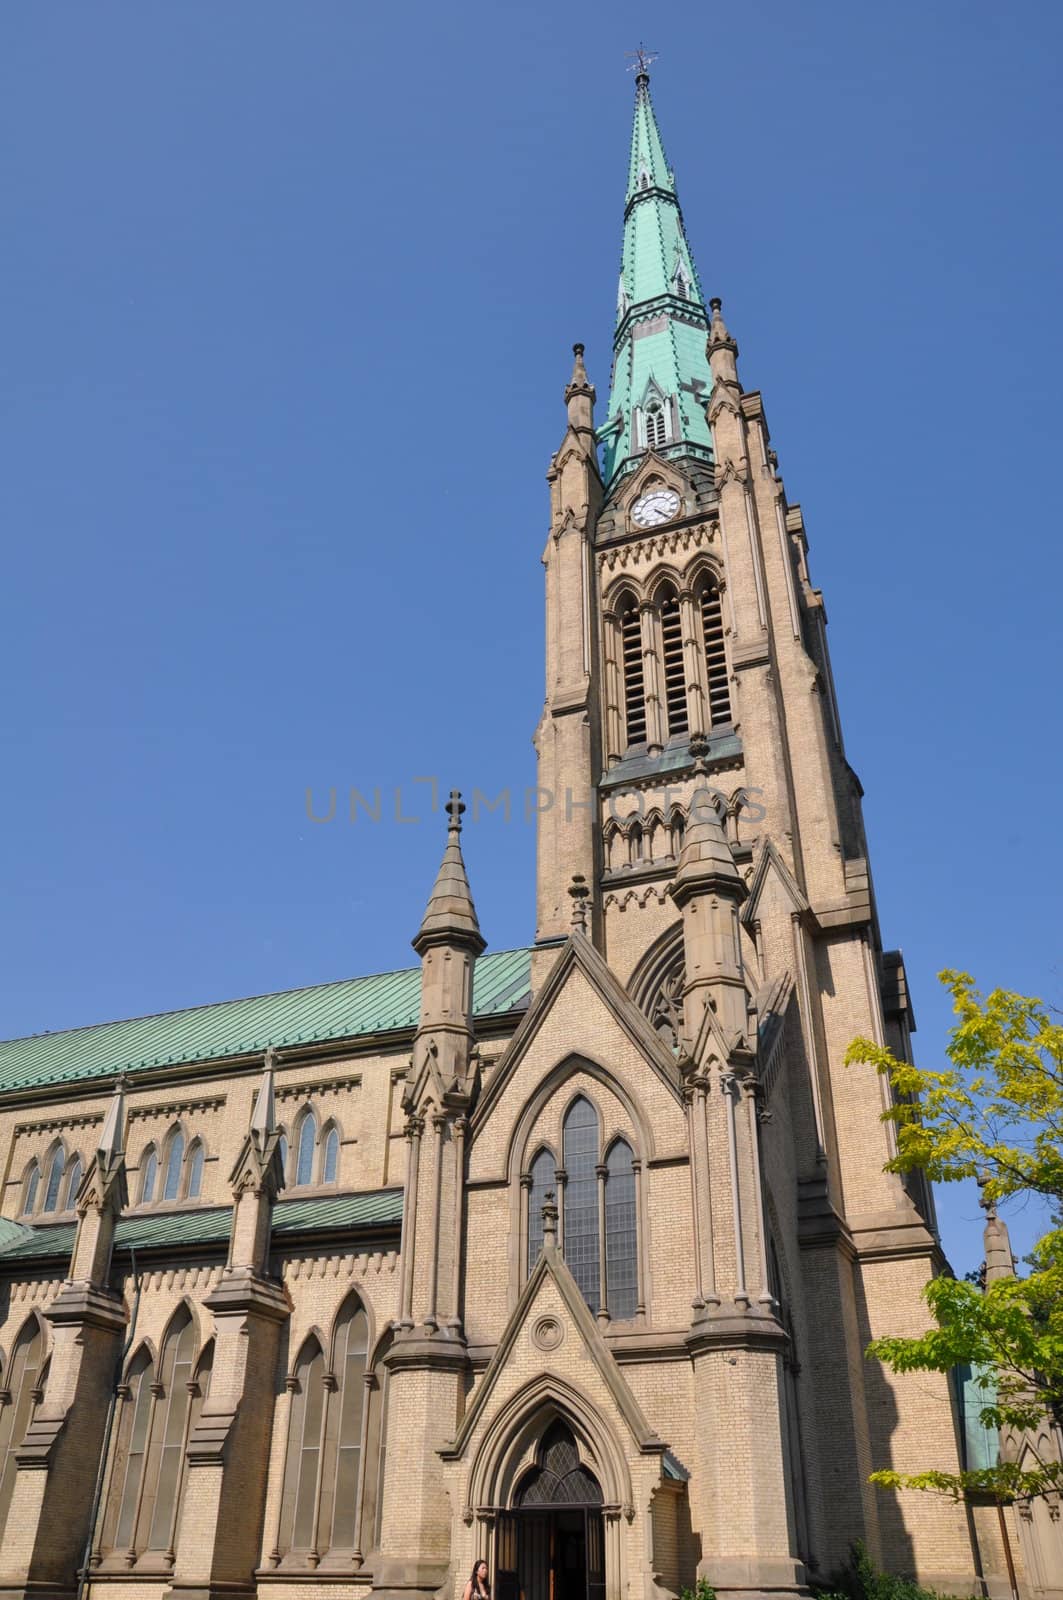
675,688
160,1406
149,1166
196,1158
580,1146
715,656
282,1146
175,1155
73,1183
543,1181
22,1385
621,1232
330,1156
656,425
351,1355
559,1478
31,1189
634,687
305,1142
323,1481
55,1178
136,1417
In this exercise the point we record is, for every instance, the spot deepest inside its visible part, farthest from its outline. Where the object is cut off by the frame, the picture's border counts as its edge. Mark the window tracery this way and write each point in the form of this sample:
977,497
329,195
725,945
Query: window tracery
598,1211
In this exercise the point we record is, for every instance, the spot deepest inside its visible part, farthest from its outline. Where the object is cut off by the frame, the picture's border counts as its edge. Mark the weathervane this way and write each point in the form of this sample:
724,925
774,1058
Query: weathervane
641,60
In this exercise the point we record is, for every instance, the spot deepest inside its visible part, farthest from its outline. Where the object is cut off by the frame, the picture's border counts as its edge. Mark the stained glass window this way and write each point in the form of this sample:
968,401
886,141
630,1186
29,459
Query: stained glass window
542,1180
621,1236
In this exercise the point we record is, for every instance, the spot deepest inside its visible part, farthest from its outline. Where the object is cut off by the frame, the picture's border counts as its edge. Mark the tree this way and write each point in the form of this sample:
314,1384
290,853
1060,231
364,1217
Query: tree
995,1113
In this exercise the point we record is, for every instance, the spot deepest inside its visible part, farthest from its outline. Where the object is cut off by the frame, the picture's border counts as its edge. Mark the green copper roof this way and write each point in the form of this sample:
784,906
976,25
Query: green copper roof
178,1229
661,323
378,1004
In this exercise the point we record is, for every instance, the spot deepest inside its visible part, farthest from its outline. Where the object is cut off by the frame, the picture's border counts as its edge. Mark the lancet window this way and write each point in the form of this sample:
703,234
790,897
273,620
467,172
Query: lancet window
51,1185
314,1155
634,687
324,1492
23,1386
160,1404
175,1172
598,1206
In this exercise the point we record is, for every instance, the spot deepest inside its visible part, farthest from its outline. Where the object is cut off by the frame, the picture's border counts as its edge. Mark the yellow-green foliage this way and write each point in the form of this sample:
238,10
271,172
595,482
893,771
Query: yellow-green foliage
995,1113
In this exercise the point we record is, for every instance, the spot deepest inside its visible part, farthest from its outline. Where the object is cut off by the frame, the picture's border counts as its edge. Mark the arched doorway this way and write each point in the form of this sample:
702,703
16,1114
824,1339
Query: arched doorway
551,1543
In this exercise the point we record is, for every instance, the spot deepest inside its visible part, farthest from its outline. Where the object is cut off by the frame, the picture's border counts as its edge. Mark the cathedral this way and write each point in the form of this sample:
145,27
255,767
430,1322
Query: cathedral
562,1258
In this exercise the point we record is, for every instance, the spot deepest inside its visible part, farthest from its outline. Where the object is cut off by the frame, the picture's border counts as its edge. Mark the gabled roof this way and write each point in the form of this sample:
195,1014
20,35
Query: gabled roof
210,1225
386,1002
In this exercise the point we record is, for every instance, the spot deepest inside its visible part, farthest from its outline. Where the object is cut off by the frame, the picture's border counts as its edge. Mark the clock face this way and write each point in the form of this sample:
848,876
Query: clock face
659,505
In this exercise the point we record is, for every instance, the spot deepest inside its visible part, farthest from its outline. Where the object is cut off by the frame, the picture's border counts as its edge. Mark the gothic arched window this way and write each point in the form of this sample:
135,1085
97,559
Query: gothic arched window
543,1181
149,1167
349,1360
580,1158
621,1232
330,1156
656,426
559,1478
675,688
55,1177
31,1187
196,1157
305,1144
715,656
133,1444
634,687
321,1497
175,1154
22,1385
160,1406
73,1183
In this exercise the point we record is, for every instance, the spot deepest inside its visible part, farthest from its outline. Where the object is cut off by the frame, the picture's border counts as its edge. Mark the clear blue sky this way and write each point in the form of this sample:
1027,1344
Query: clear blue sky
289,296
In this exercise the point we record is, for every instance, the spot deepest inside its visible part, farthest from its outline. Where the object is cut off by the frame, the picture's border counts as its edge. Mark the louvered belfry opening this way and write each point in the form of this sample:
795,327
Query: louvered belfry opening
656,434
634,687
674,678
715,656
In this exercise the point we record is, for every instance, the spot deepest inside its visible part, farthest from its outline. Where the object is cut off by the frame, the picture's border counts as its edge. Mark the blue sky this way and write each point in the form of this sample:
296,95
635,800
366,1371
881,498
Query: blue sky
290,293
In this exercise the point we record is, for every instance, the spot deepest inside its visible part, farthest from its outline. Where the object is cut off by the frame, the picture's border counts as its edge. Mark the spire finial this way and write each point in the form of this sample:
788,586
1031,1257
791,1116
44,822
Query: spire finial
454,808
263,1119
641,61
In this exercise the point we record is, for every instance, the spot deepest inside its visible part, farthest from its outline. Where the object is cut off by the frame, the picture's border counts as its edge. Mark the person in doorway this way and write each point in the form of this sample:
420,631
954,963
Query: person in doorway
478,1586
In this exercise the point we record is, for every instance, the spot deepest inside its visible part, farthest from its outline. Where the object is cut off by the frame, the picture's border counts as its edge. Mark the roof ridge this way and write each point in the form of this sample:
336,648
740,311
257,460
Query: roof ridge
236,1000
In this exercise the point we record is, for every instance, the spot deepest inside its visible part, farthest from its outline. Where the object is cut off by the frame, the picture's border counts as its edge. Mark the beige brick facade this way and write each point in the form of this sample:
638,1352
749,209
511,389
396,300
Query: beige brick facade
312,1406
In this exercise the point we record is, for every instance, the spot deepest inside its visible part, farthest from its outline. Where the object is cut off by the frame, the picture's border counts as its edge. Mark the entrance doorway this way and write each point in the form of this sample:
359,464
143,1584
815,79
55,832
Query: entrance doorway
551,1545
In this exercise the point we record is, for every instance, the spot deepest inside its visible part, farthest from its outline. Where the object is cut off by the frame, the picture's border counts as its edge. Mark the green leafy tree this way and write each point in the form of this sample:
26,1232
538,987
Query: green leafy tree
995,1113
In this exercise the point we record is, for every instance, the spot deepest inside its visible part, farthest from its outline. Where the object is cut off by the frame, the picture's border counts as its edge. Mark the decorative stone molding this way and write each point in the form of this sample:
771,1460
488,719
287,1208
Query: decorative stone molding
53,1124
697,537
303,1091
174,1108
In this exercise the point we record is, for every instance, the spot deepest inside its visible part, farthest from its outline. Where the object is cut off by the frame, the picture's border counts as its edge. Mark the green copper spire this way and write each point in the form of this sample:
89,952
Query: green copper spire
661,377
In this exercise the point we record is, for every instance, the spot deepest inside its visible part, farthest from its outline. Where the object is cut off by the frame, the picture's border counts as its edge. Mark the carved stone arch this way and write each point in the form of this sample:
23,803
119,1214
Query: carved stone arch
204,1362
43,1326
198,1320
353,1297
704,571
510,1438
548,1087
543,1147
623,589
329,1127
662,578
144,1347
656,985
313,1337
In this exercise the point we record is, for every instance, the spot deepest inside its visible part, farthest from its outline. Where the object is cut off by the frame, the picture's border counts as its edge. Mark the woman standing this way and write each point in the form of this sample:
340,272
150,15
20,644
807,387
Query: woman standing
477,1587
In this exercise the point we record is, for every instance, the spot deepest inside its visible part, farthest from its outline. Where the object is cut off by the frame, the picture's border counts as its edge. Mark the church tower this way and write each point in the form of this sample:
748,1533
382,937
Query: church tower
692,770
